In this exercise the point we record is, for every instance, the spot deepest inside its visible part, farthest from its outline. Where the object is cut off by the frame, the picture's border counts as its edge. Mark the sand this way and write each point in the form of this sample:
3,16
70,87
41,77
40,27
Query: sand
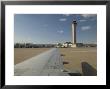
74,56
21,54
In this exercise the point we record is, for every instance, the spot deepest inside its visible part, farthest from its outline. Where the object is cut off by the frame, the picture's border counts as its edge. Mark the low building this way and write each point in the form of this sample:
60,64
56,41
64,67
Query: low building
31,45
64,45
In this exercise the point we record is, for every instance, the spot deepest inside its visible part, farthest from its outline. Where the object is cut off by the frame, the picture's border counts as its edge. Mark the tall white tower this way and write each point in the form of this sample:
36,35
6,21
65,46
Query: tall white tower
74,24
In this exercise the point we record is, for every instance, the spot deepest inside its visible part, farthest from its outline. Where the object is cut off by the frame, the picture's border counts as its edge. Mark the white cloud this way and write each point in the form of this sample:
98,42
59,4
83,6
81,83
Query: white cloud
66,14
92,17
60,31
28,39
88,15
85,28
82,20
62,19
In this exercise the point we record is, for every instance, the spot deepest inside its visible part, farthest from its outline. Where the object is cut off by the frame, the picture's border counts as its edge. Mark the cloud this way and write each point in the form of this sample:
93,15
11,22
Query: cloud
60,31
82,20
85,28
62,19
66,14
88,15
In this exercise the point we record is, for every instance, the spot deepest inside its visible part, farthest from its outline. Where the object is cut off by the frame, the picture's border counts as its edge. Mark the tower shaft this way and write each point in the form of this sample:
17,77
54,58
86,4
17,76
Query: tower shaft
74,33
74,24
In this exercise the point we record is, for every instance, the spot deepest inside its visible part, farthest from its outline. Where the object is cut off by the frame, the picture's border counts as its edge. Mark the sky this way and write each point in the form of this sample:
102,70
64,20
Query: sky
54,28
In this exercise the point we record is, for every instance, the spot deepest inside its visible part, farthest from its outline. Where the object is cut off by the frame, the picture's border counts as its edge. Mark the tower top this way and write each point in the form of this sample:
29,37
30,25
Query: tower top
74,22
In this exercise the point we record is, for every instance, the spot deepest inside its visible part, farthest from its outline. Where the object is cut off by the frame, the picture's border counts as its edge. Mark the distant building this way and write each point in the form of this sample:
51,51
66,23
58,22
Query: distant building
69,44
58,45
80,44
64,45
90,45
30,45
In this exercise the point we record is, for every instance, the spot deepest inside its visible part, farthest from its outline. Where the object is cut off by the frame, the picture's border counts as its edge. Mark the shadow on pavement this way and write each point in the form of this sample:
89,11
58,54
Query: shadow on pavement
88,70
